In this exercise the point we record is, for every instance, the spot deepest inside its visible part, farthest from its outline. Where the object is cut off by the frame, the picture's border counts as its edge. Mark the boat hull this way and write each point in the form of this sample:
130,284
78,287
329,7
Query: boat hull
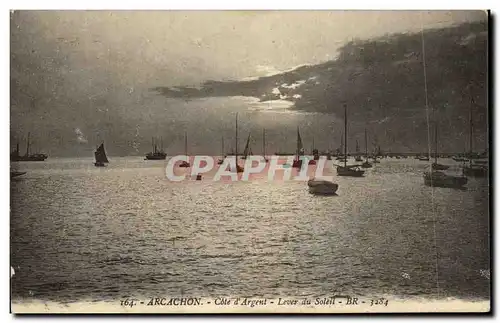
99,164
347,171
29,158
475,171
322,187
438,179
185,164
366,165
156,157
439,166
16,174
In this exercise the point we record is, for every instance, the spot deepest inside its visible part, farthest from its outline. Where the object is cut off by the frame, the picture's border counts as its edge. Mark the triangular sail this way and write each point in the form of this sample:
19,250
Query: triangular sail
100,154
247,150
300,147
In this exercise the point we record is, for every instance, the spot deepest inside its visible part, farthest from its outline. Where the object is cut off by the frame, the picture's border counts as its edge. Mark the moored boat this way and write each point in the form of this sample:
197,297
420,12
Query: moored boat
322,187
100,156
440,179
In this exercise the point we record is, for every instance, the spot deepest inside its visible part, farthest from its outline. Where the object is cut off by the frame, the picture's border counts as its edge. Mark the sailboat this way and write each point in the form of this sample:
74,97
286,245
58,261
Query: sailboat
247,151
435,164
239,169
264,145
15,155
297,162
100,156
156,154
472,169
16,174
358,157
433,177
351,170
222,153
185,163
366,164
340,157
315,154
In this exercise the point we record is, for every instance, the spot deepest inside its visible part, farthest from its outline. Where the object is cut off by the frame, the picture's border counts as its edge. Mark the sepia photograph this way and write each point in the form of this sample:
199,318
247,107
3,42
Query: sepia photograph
250,161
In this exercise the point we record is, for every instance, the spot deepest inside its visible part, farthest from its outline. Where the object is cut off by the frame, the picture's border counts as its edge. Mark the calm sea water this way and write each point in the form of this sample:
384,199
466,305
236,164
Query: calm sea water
81,232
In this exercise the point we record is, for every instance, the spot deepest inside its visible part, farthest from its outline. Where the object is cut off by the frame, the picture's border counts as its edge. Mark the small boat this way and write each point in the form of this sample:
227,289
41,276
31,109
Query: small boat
475,170
437,166
100,156
16,174
366,164
423,158
440,179
350,170
322,187
185,164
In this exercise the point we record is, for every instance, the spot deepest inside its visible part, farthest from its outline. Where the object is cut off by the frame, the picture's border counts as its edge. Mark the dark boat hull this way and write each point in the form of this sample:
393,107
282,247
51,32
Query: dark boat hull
347,171
98,164
16,174
29,158
475,171
441,180
439,166
156,157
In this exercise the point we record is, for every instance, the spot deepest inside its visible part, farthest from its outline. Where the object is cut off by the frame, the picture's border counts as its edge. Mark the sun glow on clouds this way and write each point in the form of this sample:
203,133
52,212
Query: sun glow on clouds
80,137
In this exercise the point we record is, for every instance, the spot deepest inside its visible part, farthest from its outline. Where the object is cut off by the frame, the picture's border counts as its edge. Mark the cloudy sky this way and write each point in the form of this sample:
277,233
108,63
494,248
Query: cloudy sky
80,77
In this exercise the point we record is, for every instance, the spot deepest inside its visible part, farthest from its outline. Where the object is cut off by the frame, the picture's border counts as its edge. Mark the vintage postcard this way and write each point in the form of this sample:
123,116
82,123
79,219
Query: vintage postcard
249,161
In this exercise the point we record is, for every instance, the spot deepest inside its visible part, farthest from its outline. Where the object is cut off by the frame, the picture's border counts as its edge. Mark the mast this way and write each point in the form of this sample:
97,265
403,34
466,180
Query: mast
345,136
185,143
264,142
366,145
470,135
236,141
161,144
222,151
436,143
312,146
28,145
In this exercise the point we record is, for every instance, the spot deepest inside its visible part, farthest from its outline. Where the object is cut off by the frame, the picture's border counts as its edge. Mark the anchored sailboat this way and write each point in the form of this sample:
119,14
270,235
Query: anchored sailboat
264,145
351,170
472,169
366,164
222,153
156,154
100,156
297,162
185,163
433,177
239,169
435,164
358,157
15,155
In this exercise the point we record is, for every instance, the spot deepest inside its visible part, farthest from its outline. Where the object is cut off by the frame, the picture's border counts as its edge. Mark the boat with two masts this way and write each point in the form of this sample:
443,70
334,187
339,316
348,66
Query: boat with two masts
16,156
156,154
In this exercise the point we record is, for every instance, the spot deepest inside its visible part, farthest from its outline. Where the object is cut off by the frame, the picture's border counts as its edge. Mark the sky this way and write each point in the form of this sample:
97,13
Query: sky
78,77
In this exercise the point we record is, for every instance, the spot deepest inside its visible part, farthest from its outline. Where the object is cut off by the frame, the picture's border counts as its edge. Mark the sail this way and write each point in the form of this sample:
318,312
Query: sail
247,150
100,155
300,147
